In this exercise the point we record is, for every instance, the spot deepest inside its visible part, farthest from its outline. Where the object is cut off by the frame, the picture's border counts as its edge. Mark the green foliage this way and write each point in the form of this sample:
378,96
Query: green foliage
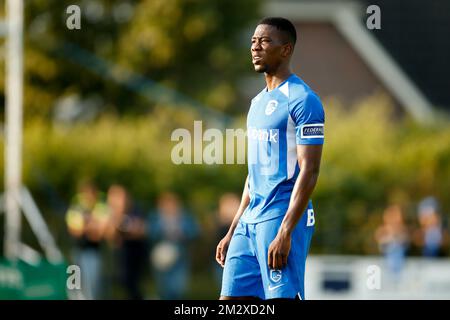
135,152
196,47
370,160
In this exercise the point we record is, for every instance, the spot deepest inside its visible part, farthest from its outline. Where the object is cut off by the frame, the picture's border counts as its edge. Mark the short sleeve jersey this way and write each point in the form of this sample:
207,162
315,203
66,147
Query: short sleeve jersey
279,120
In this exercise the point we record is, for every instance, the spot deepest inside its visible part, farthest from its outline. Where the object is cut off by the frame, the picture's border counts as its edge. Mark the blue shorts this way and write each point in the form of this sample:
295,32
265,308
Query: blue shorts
246,271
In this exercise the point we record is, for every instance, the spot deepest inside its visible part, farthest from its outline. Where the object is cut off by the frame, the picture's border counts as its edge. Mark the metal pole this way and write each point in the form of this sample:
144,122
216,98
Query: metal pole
13,147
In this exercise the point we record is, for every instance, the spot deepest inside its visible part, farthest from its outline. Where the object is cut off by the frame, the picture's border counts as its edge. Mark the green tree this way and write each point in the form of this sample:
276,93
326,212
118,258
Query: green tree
125,50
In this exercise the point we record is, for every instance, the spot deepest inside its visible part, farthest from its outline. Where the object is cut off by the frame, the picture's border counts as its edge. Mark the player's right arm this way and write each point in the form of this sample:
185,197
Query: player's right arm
222,247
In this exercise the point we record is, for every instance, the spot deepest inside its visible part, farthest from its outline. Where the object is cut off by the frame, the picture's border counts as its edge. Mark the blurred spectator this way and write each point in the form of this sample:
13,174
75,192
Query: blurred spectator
228,206
170,230
86,219
127,233
431,237
392,238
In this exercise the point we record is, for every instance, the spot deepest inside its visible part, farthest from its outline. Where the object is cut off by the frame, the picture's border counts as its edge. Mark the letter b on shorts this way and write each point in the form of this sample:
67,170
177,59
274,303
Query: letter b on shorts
310,219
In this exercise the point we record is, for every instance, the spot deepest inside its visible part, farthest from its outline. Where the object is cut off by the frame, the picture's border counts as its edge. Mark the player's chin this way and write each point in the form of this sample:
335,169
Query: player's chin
260,68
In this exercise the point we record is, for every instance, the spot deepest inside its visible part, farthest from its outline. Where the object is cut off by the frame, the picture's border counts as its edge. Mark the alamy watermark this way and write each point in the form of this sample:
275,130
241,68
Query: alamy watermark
373,281
207,147
229,146
73,21
73,281
374,20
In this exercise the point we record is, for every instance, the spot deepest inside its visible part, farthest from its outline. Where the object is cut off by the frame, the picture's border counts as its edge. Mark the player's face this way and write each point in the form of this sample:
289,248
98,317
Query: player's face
267,49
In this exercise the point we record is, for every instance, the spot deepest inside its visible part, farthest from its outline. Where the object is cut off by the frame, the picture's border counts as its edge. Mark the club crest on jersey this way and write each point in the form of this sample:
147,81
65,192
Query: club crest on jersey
275,275
271,107
314,130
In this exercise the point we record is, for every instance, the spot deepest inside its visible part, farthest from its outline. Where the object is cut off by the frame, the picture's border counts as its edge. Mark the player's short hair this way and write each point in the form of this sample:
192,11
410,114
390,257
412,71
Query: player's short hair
282,24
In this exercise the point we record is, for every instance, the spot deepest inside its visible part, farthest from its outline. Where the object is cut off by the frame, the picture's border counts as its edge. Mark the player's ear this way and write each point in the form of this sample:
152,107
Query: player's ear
287,50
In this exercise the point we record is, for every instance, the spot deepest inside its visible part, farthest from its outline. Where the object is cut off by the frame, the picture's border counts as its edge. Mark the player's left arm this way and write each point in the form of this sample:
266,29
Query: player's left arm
309,117
309,157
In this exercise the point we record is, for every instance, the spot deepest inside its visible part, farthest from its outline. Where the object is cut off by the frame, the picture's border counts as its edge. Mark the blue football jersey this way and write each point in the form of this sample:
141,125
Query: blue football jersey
277,121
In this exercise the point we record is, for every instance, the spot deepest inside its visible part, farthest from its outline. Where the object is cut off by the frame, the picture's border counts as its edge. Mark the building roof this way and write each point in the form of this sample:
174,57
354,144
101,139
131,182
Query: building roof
346,18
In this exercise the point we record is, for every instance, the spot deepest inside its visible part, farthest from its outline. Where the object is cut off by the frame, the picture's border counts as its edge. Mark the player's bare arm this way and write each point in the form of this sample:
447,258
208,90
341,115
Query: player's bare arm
222,247
309,157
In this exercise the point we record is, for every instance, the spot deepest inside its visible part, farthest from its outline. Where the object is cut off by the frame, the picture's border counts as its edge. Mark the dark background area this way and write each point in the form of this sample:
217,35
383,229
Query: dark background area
416,33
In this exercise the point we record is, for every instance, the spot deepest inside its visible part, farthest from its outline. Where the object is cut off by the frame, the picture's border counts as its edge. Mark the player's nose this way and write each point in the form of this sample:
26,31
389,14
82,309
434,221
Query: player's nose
256,46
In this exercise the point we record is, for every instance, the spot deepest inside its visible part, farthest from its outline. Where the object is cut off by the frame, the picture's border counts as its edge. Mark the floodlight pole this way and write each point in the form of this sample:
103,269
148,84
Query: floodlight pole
13,129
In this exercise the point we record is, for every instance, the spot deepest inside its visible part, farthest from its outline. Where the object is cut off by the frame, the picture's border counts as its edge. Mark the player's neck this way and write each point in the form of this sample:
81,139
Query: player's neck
275,79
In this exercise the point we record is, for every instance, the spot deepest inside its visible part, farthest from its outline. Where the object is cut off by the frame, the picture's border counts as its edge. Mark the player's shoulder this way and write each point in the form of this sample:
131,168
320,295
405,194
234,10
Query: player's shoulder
300,91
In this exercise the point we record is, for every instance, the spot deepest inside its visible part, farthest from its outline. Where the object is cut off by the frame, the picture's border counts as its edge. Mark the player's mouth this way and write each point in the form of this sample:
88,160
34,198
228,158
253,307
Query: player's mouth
256,59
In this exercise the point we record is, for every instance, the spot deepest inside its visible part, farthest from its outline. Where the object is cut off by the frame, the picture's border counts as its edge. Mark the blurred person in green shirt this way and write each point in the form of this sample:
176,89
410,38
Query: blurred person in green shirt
87,219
